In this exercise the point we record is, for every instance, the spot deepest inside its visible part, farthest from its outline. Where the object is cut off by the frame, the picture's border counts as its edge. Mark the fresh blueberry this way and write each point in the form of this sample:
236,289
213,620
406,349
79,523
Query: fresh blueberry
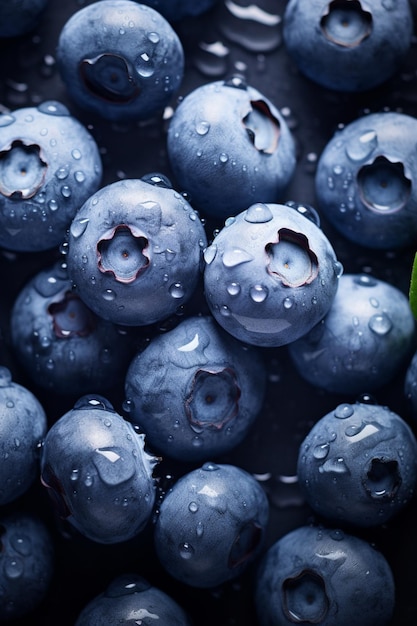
18,17
366,180
98,473
316,575
49,165
130,597
176,10
363,341
271,275
229,146
26,564
195,391
135,252
211,525
410,385
61,343
22,430
358,465
120,59
348,45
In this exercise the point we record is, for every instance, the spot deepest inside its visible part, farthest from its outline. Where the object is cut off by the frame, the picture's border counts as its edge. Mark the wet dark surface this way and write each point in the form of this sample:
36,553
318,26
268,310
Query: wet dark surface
28,76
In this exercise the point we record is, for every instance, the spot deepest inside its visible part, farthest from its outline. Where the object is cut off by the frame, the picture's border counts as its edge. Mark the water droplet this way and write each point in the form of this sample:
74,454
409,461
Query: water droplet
258,293
208,466
199,529
78,227
233,289
344,410
360,148
210,253
109,295
223,158
6,119
88,480
258,213
251,27
76,154
66,191
236,256
22,544
380,324
75,474
53,205
186,550
202,128
193,507
79,176
211,58
288,303
62,173
177,290
14,568
365,281
153,37
338,269
51,107
321,451
334,466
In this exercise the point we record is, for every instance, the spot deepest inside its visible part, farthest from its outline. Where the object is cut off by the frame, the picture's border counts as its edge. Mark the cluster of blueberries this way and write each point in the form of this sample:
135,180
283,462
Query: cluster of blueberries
133,254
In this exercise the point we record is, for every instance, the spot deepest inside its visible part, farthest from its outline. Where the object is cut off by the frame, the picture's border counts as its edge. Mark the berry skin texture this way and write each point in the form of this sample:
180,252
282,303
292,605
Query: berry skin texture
348,45
98,473
130,597
135,252
270,276
358,465
211,525
120,60
410,385
23,427
26,564
229,147
61,343
195,391
363,341
18,17
366,181
49,165
315,575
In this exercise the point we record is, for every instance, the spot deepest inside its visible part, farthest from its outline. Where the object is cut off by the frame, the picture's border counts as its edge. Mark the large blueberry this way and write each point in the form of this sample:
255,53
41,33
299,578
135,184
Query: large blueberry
26,564
175,10
366,180
195,391
22,430
18,17
316,575
120,59
229,146
49,165
211,525
358,465
61,343
135,252
130,597
348,45
271,274
98,473
363,341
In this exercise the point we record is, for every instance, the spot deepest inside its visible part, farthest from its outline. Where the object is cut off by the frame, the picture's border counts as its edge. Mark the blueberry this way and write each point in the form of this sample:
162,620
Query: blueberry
49,165
366,180
271,274
316,575
130,597
61,343
135,252
358,465
410,385
120,59
195,391
229,146
348,45
26,564
211,525
22,430
363,341
19,17
98,473
176,10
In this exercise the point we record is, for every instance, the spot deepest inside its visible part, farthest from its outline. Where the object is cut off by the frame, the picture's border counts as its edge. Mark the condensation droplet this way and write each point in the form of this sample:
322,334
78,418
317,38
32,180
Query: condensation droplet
380,324
344,410
258,213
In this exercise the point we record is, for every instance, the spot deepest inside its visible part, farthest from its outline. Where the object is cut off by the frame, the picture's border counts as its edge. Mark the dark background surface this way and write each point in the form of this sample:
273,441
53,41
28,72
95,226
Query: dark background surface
28,76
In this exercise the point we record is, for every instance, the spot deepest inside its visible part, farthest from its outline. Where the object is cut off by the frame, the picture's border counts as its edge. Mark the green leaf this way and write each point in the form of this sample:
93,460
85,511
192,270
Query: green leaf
413,288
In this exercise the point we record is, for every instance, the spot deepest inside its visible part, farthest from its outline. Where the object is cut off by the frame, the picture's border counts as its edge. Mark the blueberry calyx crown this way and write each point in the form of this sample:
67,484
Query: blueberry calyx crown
109,77
345,23
22,170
